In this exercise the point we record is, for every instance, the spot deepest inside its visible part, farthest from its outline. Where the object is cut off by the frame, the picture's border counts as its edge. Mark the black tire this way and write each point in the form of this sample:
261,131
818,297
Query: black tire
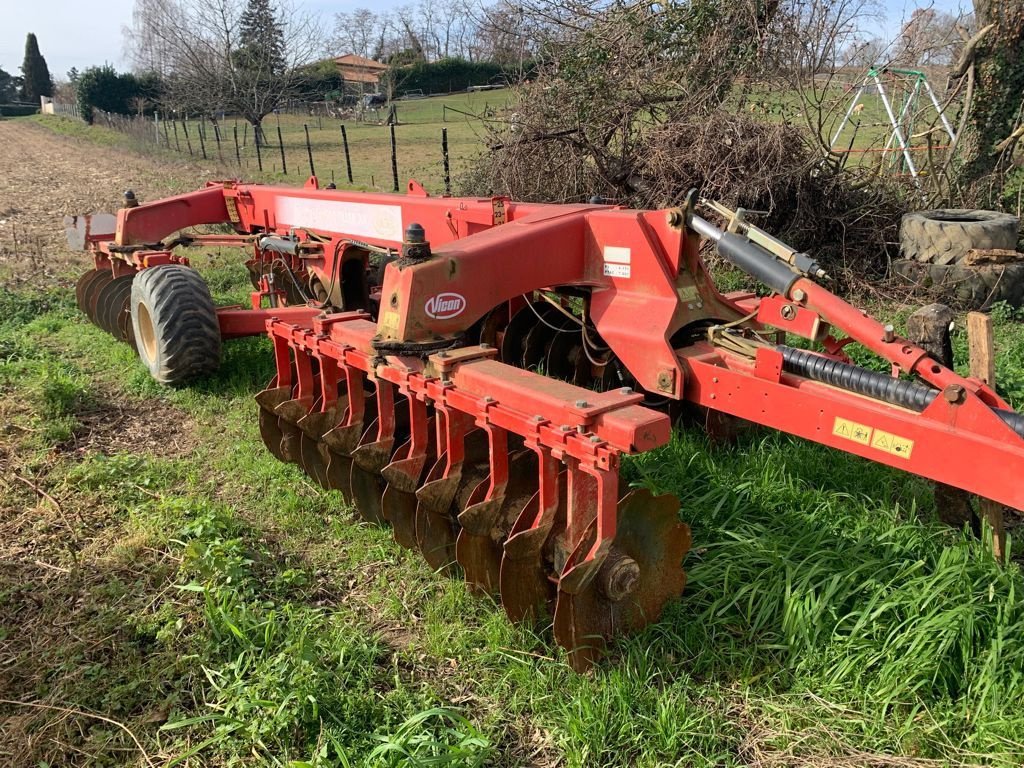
945,236
175,323
968,287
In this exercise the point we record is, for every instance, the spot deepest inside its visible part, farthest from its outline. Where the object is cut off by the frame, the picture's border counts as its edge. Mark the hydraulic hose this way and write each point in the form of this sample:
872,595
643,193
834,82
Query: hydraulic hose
907,394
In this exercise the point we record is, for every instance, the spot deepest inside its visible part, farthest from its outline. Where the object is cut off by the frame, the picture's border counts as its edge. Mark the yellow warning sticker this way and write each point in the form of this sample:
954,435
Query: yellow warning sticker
894,444
851,430
878,439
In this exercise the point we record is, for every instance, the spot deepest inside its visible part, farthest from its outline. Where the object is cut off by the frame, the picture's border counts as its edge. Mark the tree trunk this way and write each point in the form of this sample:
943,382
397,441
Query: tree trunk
999,85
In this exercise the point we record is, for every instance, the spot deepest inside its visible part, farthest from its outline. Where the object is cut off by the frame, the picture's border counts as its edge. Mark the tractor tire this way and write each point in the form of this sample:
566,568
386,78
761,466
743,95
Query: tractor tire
944,236
175,324
967,287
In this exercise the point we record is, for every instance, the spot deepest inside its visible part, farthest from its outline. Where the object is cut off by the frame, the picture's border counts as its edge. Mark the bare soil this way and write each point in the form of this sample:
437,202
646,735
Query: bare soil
45,177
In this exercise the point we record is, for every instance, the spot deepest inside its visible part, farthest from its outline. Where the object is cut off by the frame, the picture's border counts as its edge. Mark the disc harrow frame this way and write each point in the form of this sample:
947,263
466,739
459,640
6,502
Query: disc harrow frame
472,371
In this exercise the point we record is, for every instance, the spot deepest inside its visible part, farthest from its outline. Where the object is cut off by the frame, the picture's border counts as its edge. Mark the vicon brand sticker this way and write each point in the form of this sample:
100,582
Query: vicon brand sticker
445,306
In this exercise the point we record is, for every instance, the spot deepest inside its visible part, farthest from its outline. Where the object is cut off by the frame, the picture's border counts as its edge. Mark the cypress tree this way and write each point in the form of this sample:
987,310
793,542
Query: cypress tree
36,74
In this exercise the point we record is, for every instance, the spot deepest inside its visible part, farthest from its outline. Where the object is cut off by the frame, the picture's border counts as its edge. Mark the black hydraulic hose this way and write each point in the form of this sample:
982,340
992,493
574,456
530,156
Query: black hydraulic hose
907,394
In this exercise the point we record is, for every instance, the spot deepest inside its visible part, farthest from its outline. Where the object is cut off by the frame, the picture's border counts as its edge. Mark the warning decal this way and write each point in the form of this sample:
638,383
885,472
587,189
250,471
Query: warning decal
894,444
878,439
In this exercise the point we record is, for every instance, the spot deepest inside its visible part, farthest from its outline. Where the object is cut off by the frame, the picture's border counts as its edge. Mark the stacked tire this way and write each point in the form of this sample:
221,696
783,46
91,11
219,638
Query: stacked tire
935,246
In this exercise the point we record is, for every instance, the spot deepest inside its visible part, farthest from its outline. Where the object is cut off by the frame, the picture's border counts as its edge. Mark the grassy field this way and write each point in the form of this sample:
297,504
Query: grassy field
226,611
417,139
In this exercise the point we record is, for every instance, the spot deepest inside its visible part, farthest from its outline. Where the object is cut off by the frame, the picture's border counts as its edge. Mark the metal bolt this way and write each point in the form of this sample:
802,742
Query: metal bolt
954,393
415,233
799,294
713,396
595,439
484,345
538,417
488,399
626,391
889,333
788,311
714,379
619,577
442,354
580,429
581,403
565,428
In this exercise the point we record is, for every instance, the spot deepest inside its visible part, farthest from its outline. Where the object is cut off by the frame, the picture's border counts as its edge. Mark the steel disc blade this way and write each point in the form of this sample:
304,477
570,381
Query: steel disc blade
270,426
485,526
82,284
398,506
513,343
641,573
540,337
527,577
112,301
338,472
311,460
368,487
437,527
563,356
92,292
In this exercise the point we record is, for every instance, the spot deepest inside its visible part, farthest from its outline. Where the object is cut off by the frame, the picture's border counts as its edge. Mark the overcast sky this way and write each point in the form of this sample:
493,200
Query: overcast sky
73,33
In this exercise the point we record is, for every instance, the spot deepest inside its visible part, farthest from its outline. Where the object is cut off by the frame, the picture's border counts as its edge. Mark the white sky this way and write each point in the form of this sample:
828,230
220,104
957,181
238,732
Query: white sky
81,33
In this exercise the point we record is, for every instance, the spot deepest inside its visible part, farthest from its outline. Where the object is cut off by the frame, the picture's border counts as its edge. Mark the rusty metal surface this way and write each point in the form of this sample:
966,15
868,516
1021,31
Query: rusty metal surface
112,302
91,294
641,574
368,486
527,576
486,525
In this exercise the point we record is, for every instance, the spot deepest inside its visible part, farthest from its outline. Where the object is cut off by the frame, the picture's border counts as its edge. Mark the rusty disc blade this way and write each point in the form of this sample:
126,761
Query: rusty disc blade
270,427
367,486
91,295
441,499
338,472
642,571
112,301
527,578
81,285
399,506
311,460
485,525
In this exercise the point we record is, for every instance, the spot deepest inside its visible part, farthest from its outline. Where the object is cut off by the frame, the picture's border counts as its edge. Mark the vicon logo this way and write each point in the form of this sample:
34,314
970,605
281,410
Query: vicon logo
445,306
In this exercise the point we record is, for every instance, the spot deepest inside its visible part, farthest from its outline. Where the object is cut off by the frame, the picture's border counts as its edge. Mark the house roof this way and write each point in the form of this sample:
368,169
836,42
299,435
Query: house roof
351,60
355,76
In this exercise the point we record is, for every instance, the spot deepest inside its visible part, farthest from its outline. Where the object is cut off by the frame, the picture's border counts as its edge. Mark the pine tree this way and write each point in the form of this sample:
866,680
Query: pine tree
37,80
262,38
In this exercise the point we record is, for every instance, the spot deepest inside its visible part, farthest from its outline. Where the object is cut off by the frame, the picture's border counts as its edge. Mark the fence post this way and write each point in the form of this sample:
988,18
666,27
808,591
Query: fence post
216,135
238,154
188,141
348,159
280,144
447,169
167,138
394,158
202,141
309,151
177,144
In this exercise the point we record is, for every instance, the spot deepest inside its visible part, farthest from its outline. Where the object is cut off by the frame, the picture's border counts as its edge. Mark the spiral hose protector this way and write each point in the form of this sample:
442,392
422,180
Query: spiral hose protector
907,394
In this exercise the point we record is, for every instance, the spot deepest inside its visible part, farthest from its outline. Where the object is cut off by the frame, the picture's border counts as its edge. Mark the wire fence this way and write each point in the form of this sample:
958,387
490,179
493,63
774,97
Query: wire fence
361,154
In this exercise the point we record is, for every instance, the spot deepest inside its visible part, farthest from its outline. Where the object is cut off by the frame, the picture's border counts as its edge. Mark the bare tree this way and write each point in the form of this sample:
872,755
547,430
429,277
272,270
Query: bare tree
209,65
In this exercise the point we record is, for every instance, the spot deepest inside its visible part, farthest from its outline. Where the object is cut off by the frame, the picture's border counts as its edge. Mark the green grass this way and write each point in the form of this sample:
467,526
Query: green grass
229,612
417,137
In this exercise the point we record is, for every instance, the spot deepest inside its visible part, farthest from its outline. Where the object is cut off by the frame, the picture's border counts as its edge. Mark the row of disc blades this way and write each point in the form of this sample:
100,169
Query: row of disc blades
503,547
106,301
